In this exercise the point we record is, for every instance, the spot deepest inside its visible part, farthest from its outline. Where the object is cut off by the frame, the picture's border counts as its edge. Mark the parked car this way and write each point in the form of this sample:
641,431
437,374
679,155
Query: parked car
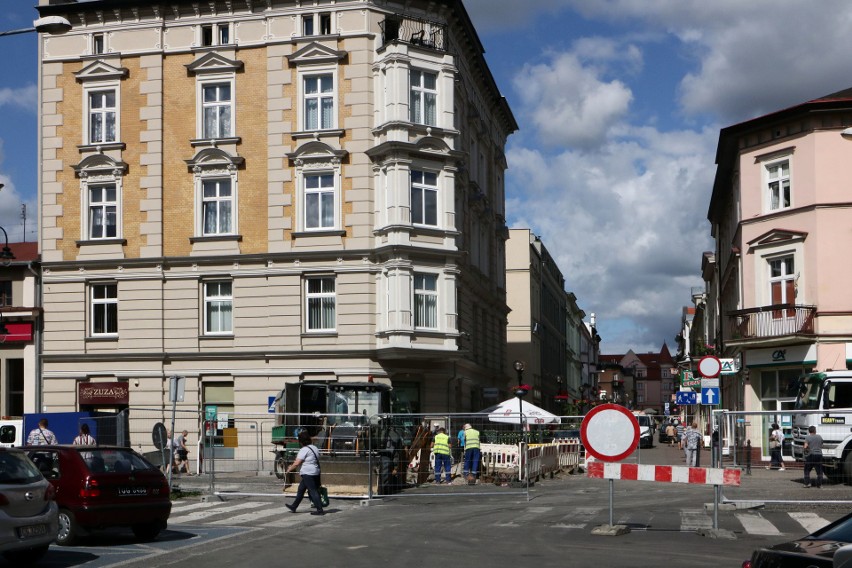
28,512
646,430
100,487
815,550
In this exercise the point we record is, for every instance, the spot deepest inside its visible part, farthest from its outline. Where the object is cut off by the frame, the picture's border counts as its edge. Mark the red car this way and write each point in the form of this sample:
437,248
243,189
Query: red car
100,487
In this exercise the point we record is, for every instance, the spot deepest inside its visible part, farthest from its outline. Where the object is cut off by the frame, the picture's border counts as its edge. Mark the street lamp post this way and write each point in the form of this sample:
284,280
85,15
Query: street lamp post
520,391
47,25
6,253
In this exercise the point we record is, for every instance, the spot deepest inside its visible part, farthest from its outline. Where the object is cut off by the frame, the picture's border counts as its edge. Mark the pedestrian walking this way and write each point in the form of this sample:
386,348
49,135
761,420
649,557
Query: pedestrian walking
41,436
776,443
84,438
307,460
471,454
692,443
443,459
671,433
813,457
182,453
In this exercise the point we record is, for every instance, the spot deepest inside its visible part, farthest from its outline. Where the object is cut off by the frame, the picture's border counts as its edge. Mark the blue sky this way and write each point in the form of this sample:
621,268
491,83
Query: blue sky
619,104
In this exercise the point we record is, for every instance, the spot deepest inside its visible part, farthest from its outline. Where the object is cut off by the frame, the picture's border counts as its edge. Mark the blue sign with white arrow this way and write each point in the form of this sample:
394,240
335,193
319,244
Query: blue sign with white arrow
710,396
686,397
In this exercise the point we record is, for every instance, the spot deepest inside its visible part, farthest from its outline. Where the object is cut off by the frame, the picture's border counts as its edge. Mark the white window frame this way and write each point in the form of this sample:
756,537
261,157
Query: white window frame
216,298
216,30
88,91
421,92
215,80
323,296
304,97
426,294
783,280
423,188
770,178
100,179
315,21
320,192
103,206
201,200
107,304
98,46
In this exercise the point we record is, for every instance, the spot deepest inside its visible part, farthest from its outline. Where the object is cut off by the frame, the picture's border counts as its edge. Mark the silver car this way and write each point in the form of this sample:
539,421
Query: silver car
28,512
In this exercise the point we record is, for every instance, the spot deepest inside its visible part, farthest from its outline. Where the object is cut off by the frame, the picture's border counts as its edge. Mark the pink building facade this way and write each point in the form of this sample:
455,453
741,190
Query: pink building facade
781,215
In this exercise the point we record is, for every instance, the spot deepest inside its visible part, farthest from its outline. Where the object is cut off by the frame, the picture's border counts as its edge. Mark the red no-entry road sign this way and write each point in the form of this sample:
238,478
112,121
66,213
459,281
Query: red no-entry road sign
709,366
610,432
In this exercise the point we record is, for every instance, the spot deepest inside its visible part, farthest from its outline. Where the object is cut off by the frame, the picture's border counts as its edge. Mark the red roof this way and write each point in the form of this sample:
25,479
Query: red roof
24,252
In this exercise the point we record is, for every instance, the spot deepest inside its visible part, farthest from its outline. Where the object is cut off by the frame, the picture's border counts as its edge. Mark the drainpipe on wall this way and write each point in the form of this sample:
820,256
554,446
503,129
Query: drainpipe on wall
37,339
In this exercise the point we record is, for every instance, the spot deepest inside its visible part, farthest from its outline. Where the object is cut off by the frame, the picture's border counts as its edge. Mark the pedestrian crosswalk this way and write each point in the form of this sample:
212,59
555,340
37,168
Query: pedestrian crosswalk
272,514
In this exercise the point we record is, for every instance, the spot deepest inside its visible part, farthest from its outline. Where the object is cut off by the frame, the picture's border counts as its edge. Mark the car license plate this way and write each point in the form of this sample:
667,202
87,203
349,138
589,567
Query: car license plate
31,531
132,491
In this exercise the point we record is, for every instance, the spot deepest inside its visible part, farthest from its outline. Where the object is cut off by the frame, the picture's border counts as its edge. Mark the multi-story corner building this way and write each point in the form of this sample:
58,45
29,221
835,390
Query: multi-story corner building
779,215
250,194
19,328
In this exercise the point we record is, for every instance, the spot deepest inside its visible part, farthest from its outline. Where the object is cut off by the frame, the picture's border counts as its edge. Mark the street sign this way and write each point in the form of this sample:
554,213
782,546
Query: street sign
709,383
609,432
270,404
689,380
176,388
709,366
710,396
686,397
668,409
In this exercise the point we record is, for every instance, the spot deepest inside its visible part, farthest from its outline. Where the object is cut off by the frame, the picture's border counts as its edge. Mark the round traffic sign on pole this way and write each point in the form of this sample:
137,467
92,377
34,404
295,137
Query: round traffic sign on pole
609,432
709,366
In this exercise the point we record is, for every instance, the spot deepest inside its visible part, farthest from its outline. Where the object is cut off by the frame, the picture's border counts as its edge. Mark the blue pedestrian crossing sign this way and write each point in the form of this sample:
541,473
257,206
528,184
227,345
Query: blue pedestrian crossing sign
710,396
686,397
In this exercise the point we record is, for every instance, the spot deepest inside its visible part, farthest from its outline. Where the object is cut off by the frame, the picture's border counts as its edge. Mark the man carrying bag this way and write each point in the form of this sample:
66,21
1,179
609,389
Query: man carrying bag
308,461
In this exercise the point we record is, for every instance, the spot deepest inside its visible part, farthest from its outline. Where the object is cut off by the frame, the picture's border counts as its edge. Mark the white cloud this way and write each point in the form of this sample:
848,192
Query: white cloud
24,97
568,103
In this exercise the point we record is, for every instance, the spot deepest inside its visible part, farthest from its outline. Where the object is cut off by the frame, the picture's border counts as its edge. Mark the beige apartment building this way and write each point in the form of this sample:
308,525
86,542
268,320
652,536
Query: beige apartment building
249,194
546,331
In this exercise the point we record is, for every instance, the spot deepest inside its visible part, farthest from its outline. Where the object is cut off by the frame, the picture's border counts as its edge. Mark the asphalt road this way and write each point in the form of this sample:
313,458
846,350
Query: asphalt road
482,526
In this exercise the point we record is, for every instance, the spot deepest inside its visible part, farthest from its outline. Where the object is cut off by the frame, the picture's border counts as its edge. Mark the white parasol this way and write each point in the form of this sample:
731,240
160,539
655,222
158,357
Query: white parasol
509,412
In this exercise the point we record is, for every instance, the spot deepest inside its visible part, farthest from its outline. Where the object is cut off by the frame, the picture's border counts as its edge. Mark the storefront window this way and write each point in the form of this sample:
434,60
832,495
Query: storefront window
218,411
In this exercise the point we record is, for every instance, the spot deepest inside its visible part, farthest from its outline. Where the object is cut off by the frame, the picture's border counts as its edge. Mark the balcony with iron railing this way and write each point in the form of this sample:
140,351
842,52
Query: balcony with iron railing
775,322
414,31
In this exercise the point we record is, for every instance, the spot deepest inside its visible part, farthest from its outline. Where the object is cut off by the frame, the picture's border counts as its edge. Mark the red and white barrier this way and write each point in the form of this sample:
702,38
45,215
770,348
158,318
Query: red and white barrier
664,473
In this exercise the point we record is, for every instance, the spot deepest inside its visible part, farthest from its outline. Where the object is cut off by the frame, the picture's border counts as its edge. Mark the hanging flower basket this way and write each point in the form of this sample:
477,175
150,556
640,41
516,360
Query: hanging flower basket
522,390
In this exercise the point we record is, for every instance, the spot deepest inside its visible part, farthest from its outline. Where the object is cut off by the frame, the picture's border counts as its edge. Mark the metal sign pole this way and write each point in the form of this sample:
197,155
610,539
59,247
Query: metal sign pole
611,492
175,393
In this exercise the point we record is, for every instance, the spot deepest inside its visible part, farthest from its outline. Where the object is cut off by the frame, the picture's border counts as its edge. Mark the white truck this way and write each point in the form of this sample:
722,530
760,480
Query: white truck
828,397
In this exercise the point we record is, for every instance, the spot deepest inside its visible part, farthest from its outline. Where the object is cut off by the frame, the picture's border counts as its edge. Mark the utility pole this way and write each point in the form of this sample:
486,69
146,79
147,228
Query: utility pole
24,217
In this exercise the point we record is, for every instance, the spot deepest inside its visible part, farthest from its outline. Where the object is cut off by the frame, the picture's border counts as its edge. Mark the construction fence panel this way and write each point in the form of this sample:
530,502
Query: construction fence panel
743,439
361,456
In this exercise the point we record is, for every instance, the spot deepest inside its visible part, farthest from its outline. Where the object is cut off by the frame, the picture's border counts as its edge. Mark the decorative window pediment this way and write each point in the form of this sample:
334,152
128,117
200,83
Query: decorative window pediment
776,237
432,144
100,71
100,165
213,63
315,53
211,160
316,155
